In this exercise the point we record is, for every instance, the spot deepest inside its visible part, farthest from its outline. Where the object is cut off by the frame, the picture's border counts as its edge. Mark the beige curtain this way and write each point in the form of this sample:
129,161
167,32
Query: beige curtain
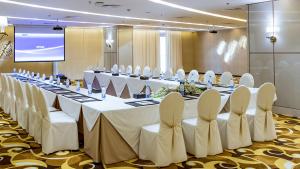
83,49
174,51
146,48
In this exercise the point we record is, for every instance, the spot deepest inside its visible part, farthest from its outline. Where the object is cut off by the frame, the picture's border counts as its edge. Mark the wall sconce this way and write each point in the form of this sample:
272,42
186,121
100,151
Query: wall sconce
3,23
109,43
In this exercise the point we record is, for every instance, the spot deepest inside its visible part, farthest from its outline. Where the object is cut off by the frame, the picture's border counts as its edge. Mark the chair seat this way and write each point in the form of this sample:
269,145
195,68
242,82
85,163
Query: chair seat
60,117
191,122
152,128
223,116
51,109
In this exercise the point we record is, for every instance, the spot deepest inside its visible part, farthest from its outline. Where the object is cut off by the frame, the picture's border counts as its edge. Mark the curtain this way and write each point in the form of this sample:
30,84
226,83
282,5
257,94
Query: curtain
83,49
146,48
174,51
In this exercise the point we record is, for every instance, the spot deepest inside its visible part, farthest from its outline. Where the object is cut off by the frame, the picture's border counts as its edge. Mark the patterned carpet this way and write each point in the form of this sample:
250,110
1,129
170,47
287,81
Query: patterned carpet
18,150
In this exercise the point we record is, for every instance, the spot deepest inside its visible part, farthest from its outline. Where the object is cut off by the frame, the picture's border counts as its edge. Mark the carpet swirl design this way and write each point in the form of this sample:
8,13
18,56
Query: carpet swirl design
18,150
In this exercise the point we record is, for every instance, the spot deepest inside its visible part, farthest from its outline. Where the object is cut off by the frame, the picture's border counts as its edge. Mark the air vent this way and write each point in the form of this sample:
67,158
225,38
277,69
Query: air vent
110,5
234,9
182,17
71,17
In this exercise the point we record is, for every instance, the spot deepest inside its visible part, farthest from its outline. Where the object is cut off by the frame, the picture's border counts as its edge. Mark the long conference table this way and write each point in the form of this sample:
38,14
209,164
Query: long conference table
111,126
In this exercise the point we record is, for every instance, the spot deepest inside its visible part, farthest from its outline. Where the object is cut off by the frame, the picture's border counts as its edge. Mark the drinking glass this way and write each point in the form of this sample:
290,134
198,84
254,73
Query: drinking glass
89,86
103,92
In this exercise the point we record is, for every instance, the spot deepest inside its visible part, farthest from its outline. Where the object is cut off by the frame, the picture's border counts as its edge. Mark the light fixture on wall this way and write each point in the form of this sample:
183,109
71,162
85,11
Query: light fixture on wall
3,23
272,30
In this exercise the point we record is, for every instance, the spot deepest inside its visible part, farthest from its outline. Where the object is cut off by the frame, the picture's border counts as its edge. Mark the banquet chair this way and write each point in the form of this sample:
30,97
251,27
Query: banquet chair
147,71
180,74
31,109
163,143
1,91
122,69
11,99
156,73
21,106
209,75
169,74
193,76
234,126
59,131
226,77
247,80
201,134
129,70
36,117
5,94
137,70
260,119
115,68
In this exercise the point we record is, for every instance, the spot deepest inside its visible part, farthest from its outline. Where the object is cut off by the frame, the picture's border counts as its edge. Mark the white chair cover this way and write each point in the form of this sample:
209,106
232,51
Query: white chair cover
180,74
261,121
147,71
37,117
226,77
234,126
1,90
163,143
59,131
193,76
21,105
169,74
122,69
201,134
156,73
31,110
6,94
11,101
129,70
115,69
247,80
209,75
137,70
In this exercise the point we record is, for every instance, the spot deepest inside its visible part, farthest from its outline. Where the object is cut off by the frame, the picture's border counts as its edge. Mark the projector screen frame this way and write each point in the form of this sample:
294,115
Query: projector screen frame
38,61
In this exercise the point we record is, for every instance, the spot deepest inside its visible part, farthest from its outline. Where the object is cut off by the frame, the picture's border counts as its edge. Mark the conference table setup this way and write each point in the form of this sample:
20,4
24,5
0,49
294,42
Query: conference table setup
106,120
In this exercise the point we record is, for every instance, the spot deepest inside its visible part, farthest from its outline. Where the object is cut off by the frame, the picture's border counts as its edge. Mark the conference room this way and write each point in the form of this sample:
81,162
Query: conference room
90,84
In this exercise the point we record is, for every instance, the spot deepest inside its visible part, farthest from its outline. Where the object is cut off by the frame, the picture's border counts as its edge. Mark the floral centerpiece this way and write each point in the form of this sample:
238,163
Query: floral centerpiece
189,89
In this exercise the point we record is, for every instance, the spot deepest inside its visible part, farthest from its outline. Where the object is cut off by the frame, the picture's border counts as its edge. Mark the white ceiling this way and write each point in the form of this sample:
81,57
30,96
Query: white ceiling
132,8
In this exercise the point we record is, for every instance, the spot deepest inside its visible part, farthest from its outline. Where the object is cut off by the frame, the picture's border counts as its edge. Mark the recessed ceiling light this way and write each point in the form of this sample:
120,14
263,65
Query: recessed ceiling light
196,10
107,15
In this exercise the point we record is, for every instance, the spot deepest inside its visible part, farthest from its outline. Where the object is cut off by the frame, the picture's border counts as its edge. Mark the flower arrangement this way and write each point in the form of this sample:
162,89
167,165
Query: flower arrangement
189,89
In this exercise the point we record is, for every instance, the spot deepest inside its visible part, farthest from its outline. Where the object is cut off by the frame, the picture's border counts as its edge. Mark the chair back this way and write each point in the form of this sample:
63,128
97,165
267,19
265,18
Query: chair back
122,69
156,72
226,77
193,76
169,74
209,75
180,74
35,97
137,70
18,92
147,71
247,80
239,100
209,104
28,90
171,108
265,96
129,70
11,86
43,104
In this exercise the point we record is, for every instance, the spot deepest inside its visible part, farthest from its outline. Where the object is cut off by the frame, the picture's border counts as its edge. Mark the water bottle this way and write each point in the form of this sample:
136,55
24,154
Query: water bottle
44,77
148,91
14,70
20,71
231,84
67,83
209,84
32,74
58,81
181,88
38,76
51,79
77,86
